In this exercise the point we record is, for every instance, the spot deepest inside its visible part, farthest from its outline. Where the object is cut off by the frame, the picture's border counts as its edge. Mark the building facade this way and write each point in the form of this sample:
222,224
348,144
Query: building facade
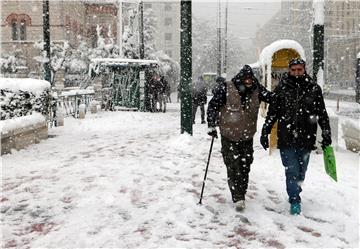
341,41
75,21
167,26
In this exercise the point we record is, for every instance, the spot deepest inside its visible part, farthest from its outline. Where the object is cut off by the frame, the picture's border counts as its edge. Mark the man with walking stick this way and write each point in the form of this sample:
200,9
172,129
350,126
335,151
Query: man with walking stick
234,107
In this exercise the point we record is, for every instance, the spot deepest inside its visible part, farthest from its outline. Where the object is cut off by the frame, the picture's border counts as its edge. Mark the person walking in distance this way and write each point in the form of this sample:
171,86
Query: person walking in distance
199,98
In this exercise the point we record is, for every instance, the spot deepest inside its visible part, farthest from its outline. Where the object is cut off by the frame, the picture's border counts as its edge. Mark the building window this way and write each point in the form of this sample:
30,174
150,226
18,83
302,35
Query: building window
147,5
14,31
168,21
168,52
353,26
22,30
167,6
168,36
18,24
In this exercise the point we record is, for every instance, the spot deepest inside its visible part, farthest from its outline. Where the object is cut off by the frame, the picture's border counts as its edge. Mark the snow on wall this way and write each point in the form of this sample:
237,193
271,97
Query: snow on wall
30,85
319,9
20,122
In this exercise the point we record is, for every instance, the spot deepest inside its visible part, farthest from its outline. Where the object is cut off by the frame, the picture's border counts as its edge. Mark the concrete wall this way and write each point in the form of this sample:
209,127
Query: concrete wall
23,137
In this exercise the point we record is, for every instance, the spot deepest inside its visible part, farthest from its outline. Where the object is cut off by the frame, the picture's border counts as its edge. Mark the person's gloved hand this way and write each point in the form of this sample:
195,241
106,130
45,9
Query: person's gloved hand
264,141
326,141
212,132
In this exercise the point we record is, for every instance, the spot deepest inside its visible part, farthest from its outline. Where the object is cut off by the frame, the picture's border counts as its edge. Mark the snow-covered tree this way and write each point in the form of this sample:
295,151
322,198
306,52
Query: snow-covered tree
130,41
10,62
58,53
205,50
204,55
149,32
167,67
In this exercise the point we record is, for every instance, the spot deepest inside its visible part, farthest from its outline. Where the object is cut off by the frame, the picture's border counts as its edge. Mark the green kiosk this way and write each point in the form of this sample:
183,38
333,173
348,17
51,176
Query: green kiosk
124,82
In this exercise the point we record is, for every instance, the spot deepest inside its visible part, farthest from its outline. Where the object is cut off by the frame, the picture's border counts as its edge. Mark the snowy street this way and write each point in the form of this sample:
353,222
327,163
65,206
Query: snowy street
130,180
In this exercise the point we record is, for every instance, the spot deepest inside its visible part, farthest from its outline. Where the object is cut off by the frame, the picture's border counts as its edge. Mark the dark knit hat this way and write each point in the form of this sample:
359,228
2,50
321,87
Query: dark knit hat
297,61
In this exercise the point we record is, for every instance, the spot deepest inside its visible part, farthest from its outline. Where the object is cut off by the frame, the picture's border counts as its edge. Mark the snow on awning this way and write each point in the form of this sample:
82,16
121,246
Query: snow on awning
29,85
268,52
96,63
210,73
118,61
77,92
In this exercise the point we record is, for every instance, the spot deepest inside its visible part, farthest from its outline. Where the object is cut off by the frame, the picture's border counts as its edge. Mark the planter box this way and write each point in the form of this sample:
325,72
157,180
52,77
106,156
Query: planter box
20,138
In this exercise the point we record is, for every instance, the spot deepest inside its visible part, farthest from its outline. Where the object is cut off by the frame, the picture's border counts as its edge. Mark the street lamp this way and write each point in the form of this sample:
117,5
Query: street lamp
46,38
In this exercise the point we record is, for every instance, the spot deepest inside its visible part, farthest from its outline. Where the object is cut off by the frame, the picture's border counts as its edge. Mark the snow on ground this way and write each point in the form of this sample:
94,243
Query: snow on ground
128,179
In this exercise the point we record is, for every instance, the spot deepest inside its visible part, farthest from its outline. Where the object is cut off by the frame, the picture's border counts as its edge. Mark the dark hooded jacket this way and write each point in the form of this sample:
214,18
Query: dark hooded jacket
298,106
220,93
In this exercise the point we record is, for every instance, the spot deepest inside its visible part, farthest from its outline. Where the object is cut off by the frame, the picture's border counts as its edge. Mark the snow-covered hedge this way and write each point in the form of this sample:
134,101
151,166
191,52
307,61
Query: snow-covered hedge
22,97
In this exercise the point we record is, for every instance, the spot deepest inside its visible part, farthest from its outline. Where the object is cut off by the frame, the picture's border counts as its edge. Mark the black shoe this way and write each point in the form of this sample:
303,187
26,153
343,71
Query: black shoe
203,122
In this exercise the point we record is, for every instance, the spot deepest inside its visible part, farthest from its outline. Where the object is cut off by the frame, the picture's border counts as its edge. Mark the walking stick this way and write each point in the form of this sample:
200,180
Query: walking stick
207,166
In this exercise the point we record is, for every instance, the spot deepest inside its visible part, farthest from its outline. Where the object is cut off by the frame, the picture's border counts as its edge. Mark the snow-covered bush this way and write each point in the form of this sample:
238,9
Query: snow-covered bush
22,97
167,67
10,62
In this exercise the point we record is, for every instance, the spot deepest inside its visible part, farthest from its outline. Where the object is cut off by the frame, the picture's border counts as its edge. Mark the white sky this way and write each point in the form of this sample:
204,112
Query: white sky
243,16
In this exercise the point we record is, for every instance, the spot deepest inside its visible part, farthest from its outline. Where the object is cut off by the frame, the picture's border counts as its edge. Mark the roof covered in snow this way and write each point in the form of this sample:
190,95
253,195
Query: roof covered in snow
30,85
268,52
121,61
77,92
209,73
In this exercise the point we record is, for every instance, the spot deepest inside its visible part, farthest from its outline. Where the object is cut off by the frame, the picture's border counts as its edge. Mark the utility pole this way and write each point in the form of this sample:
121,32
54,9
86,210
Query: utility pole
46,38
318,54
186,67
219,41
119,30
226,37
357,79
141,30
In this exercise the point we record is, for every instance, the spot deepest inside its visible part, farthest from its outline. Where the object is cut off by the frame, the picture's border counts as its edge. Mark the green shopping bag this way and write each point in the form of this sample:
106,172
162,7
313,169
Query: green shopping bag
330,162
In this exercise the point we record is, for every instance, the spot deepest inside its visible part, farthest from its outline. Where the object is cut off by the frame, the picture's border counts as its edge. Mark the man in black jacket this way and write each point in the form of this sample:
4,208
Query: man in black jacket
298,107
234,107
199,98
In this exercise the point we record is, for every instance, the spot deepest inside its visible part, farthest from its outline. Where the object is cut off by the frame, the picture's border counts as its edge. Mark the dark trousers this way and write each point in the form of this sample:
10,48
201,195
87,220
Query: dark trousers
202,109
295,162
238,157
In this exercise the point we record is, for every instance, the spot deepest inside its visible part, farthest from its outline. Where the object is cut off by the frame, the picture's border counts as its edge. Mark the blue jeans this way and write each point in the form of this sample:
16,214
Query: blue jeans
295,162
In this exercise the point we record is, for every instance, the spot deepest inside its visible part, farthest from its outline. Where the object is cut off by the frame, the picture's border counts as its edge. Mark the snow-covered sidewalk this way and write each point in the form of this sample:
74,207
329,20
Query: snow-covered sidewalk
130,180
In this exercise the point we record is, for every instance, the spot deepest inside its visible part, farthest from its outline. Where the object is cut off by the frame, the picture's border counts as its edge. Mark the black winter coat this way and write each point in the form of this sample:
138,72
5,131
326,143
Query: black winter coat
298,106
199,93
